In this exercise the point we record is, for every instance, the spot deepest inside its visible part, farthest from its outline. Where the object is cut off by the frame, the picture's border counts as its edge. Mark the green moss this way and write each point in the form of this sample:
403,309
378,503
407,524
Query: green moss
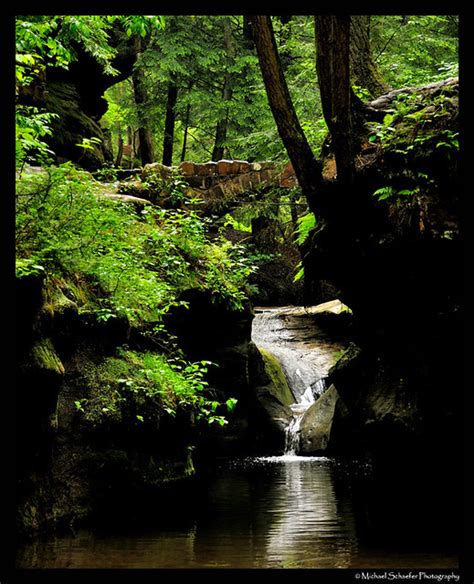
279,387
44,356
61,295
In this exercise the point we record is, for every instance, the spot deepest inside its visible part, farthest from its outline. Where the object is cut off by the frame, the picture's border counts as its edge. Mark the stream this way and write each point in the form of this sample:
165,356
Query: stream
276,512
285,511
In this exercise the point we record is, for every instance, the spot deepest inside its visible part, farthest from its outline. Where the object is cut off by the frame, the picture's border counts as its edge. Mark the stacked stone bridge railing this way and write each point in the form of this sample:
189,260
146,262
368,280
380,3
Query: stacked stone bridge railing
226,183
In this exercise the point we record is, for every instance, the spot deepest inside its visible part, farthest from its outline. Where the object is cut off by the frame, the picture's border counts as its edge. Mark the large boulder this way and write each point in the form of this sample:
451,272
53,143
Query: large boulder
316,424
271,396
378,412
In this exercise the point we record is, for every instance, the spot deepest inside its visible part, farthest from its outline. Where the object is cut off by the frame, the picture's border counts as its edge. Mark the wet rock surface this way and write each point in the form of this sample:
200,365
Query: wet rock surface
316,424
292,338
305,351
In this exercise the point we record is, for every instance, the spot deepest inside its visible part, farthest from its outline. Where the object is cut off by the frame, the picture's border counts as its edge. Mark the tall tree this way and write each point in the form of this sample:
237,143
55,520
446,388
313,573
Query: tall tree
306,166
222,123
332,64
139,90
187,116
364,69
172,96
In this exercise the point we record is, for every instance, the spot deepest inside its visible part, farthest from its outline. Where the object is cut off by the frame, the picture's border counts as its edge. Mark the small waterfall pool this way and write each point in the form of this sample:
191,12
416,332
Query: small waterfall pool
271,512
285,511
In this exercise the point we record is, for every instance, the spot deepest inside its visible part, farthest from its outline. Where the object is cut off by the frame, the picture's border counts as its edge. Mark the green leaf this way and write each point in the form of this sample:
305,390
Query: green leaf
231,404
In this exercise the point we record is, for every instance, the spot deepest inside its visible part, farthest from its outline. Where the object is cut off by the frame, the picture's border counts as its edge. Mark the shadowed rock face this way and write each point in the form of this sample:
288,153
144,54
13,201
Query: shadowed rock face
397,262
76,95
316,423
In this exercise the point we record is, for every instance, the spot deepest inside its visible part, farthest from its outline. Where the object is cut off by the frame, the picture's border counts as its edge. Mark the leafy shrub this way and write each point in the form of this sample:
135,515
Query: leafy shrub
144,386
138,263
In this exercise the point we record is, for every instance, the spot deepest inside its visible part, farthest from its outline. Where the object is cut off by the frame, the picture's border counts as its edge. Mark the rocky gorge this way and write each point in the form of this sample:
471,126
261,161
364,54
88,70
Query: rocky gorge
205,344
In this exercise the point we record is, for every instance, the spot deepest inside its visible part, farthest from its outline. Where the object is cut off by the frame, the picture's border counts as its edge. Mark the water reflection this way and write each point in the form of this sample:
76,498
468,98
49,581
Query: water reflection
308,528
288,512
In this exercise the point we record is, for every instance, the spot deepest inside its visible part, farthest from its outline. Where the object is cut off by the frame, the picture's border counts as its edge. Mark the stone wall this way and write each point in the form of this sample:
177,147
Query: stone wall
226,178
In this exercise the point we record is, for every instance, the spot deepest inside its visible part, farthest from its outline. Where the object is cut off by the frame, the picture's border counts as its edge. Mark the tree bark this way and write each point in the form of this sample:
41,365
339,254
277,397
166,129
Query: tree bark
364,70
222,123
186,124
332,64
118,160
139,91
185,132
130,136
169,124
307,168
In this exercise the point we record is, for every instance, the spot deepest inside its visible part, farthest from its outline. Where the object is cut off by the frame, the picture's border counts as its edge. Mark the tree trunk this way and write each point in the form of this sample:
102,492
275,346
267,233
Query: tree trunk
186,125
139,91
221,128
306,167
222,124
185,133
294,211
118,160
169,124
332,64
364,70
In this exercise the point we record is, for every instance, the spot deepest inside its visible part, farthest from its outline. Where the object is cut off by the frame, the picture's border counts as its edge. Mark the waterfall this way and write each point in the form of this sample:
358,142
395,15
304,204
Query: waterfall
292,438
305,354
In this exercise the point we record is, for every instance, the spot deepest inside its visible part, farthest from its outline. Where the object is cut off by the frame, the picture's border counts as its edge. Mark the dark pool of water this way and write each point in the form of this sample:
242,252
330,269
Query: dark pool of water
264,513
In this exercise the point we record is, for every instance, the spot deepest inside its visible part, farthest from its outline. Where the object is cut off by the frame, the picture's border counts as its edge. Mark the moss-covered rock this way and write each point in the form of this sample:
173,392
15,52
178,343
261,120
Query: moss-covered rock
92,428
278,386
269,411
44,357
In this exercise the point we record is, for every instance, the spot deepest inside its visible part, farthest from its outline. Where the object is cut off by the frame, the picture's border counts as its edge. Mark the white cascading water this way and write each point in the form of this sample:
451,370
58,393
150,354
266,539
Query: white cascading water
290,335
292,440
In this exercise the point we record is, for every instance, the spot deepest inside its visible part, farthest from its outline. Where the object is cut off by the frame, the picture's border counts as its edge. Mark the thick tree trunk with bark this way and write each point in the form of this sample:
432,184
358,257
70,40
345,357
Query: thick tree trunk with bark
364,70
139,91
332,64
169,124
222,124
306,166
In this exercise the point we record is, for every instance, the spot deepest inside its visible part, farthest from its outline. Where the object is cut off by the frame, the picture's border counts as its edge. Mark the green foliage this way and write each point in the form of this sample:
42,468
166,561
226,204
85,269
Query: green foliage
139,25
414,50
391,193
305,225
139,264
235,224
231,404
189,51
143,386
31,126
52,41
416,122
299,273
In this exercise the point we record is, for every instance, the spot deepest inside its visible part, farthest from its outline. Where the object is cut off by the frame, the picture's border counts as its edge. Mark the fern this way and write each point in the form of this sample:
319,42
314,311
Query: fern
305,225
